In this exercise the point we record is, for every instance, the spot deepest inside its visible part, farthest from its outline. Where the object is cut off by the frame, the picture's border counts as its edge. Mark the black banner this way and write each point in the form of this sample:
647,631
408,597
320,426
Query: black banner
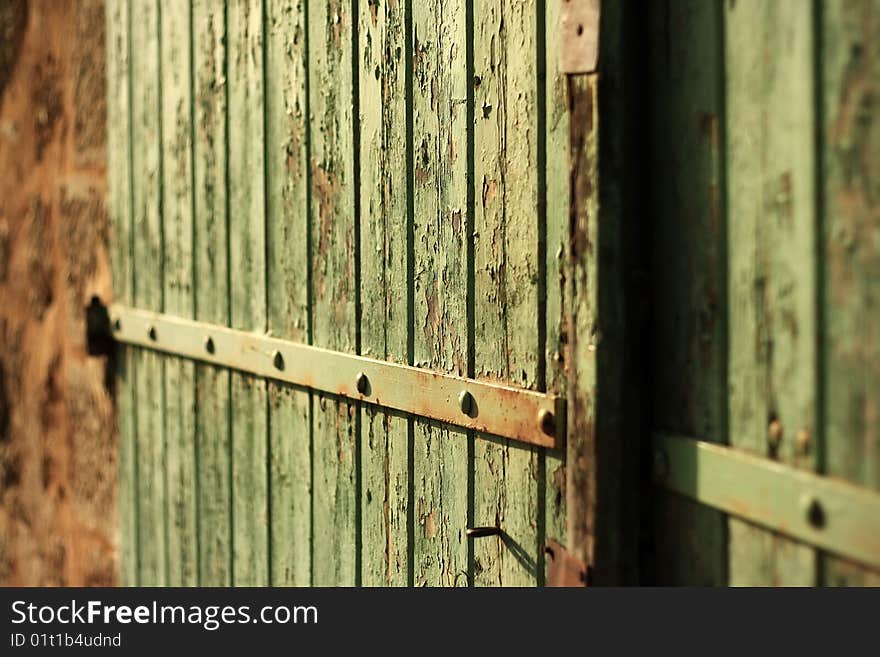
289,621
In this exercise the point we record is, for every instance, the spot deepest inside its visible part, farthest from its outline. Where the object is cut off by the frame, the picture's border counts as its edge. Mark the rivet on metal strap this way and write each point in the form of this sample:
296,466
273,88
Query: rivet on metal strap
466,403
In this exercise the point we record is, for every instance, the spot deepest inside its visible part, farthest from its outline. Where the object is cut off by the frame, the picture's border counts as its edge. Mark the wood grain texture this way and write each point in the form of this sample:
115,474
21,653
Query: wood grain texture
177,213
771,245
119,208
506,278
149,367
555,205
689,272
247,290
212,290
850,264
384,249
333,237
287,281
440,282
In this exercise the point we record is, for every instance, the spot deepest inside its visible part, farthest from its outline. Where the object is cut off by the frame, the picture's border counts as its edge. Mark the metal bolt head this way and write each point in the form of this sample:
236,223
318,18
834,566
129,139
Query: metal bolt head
774,433
547,422
278,360
803,440
466,402
209,345
362,383
814,512
151,333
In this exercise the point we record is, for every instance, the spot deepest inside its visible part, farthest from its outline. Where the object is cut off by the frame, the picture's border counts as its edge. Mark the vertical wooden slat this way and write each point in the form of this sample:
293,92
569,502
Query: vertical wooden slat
556,208
147,293
384,245
247,291
440,188
119,171
211,283
506,277
771,238
287,280
689,274
850,253
177,205
334,285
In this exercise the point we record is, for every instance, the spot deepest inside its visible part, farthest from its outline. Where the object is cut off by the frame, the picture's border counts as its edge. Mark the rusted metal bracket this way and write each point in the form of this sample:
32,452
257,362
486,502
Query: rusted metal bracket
506,411
579,27
830,514
563,568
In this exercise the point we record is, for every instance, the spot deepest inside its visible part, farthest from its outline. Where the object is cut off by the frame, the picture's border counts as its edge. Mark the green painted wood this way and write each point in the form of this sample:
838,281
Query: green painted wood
556,250
850,252
506,278
177,213
771,246
119,207
689,273
332,231
287,280
148,265
384,283
211,288
247,287
440,282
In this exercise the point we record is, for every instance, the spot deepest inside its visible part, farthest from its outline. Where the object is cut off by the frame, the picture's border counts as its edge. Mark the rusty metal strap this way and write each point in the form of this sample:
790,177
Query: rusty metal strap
515,413
830,514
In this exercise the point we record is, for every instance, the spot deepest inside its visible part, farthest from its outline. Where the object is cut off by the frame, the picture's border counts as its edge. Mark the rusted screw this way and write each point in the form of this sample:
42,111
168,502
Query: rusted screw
151,332
774,433
803,440
547,422
480,532
209,344
466,402
278,360
362,383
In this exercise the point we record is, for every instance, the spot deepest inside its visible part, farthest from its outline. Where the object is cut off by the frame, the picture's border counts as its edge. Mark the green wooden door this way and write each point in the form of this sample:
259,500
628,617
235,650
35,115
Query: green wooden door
376,177
766,260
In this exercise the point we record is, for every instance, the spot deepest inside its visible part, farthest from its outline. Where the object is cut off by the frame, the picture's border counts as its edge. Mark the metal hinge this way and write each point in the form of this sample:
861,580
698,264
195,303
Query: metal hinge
833,515
579,27
516,413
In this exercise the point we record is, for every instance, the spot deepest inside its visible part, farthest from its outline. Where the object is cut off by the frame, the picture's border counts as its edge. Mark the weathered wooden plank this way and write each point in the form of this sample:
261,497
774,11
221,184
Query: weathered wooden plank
290,485
384,252
334,286
247,289
177,210
440,238
147,253
850,253
771,245
211,282
689,301
555,205
506,277
119,206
